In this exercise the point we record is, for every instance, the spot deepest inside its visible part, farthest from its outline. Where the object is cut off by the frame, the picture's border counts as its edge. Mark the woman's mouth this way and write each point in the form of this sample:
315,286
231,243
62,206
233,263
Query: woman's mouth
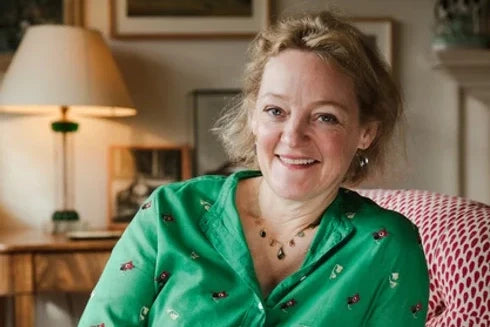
297,162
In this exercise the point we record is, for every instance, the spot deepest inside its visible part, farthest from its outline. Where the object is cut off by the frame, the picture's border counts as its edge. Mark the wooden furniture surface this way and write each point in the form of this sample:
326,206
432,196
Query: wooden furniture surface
32,262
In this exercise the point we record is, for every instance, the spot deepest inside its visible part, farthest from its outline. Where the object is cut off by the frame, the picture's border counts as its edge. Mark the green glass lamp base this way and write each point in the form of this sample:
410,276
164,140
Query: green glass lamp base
65,215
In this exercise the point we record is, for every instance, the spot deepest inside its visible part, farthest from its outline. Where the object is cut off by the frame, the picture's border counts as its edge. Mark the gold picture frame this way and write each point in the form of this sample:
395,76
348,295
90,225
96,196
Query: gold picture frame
185,23
135,171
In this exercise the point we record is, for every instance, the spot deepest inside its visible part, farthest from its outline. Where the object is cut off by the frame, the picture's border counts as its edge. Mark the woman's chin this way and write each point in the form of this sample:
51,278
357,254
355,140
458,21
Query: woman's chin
291,190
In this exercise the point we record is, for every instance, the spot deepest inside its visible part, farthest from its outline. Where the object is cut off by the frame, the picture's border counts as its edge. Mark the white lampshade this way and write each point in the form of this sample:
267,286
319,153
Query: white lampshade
59,65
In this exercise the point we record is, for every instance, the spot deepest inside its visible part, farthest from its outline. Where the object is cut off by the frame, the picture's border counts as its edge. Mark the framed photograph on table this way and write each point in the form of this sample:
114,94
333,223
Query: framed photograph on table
136,171
379,32
188,19
209,155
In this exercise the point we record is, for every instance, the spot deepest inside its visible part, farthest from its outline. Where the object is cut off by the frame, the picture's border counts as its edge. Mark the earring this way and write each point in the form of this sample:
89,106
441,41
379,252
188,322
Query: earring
363,160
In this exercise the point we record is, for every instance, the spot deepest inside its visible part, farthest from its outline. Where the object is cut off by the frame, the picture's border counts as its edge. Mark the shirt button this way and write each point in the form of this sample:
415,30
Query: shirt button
260,306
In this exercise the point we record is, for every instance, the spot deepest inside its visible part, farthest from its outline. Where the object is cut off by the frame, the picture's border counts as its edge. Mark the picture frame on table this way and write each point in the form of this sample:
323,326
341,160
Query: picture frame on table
379,31
140,19
16,16
209,154
136,171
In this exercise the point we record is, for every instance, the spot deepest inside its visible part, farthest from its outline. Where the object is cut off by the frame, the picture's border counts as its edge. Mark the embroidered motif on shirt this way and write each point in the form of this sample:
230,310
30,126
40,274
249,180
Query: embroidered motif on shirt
143,313
127,266
205,204
162,278
382,233
168,218
146,205
288,304
353,300
350,215
219,295
415,309
394,279
194,255
337,269
99,325
174,315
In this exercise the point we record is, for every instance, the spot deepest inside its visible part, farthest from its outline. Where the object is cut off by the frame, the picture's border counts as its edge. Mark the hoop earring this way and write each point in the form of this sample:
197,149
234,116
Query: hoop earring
363,160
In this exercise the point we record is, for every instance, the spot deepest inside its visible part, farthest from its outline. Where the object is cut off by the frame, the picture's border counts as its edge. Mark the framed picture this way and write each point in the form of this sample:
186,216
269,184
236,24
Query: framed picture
380,33
188,19
209,155
135,171
16,16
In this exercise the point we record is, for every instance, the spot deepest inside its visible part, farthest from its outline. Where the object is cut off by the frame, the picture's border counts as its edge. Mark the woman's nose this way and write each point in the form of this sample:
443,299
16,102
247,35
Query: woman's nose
294,133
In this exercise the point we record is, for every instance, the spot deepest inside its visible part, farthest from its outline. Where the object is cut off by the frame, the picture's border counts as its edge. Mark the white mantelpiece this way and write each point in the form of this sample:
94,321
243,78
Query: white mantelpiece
470,68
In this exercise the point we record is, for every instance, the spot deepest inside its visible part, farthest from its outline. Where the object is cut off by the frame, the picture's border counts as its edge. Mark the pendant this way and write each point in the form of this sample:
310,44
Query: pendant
262,233
301,233
280,254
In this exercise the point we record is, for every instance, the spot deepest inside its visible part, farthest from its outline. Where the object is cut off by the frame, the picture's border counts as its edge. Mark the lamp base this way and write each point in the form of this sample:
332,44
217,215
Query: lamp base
65,215
64,221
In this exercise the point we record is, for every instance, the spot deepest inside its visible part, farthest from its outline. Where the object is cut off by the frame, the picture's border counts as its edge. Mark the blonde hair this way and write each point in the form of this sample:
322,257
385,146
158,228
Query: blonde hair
333,40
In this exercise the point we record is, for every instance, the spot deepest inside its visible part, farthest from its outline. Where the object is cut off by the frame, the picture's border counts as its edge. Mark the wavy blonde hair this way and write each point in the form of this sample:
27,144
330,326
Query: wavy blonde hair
334,40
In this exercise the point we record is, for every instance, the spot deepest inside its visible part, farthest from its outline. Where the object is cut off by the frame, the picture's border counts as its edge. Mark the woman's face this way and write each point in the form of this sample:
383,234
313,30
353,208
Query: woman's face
306,125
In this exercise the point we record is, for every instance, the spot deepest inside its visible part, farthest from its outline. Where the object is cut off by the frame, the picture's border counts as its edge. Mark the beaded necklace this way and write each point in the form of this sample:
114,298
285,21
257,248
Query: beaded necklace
273,242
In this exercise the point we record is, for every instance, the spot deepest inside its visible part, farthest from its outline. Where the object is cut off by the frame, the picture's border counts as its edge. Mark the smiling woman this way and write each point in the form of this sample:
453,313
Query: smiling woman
284,244
306,125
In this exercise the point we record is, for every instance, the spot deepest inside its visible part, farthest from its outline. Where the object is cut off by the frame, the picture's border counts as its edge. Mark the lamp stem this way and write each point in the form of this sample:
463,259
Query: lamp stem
64,161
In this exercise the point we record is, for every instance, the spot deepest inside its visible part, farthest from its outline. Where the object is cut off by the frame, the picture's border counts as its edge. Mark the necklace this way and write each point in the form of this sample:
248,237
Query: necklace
273,242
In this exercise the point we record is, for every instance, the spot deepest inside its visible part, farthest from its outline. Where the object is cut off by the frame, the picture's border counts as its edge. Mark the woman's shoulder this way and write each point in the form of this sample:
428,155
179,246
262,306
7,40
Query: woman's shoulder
206,187
197,192
199,182
372,216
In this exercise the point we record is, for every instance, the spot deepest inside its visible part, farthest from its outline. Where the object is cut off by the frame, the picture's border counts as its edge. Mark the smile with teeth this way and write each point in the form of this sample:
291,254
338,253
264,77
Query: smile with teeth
302,161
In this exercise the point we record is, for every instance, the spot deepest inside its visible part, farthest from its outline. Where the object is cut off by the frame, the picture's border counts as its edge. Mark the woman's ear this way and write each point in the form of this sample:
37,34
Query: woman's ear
252,121
369,131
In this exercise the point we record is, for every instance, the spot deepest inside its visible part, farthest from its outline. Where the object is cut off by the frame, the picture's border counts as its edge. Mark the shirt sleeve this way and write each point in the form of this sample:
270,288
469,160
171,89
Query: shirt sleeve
403,294
126,289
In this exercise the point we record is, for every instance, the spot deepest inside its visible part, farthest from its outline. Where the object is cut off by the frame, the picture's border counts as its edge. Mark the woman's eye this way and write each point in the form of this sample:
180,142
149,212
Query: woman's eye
328,118
273,111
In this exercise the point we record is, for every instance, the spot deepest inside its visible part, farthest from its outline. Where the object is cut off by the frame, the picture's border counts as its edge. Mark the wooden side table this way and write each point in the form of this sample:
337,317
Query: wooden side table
32,262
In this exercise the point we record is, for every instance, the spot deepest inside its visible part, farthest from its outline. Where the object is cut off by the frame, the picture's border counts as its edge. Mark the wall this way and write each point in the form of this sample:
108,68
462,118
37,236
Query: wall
160,74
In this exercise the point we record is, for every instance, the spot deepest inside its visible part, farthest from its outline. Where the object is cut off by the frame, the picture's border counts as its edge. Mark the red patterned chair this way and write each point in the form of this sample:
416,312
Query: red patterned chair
455,235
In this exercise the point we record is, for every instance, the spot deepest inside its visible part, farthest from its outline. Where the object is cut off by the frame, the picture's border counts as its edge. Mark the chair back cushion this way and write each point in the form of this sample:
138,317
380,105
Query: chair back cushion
455,235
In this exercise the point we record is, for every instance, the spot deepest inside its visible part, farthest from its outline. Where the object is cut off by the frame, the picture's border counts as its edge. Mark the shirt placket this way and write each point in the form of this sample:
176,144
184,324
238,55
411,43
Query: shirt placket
231,245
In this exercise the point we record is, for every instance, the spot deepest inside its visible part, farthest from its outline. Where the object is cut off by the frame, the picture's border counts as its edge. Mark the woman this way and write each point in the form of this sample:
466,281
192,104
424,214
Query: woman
286,245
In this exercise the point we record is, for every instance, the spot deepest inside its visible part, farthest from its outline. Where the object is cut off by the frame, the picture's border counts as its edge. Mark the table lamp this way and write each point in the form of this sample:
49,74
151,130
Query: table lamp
69,70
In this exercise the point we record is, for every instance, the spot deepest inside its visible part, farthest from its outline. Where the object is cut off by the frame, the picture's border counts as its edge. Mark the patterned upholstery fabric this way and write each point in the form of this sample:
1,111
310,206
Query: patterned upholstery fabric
455,235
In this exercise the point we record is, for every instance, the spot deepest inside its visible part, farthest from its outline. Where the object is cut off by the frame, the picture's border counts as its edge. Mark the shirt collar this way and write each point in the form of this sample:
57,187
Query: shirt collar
223,228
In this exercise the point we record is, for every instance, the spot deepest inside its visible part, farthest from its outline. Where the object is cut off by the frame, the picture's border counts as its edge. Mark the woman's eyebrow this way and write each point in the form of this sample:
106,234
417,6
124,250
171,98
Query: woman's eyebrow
329,103
318,103
273,95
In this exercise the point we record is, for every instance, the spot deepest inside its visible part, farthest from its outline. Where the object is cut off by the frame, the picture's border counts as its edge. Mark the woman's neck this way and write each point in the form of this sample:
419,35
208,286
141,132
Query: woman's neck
287,217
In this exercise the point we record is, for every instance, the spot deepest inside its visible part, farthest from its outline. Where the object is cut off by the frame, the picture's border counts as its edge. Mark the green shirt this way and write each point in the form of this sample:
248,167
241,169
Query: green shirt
184,261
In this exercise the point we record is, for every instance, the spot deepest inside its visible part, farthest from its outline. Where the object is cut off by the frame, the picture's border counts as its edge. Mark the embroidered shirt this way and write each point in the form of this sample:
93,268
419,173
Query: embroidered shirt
184,261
